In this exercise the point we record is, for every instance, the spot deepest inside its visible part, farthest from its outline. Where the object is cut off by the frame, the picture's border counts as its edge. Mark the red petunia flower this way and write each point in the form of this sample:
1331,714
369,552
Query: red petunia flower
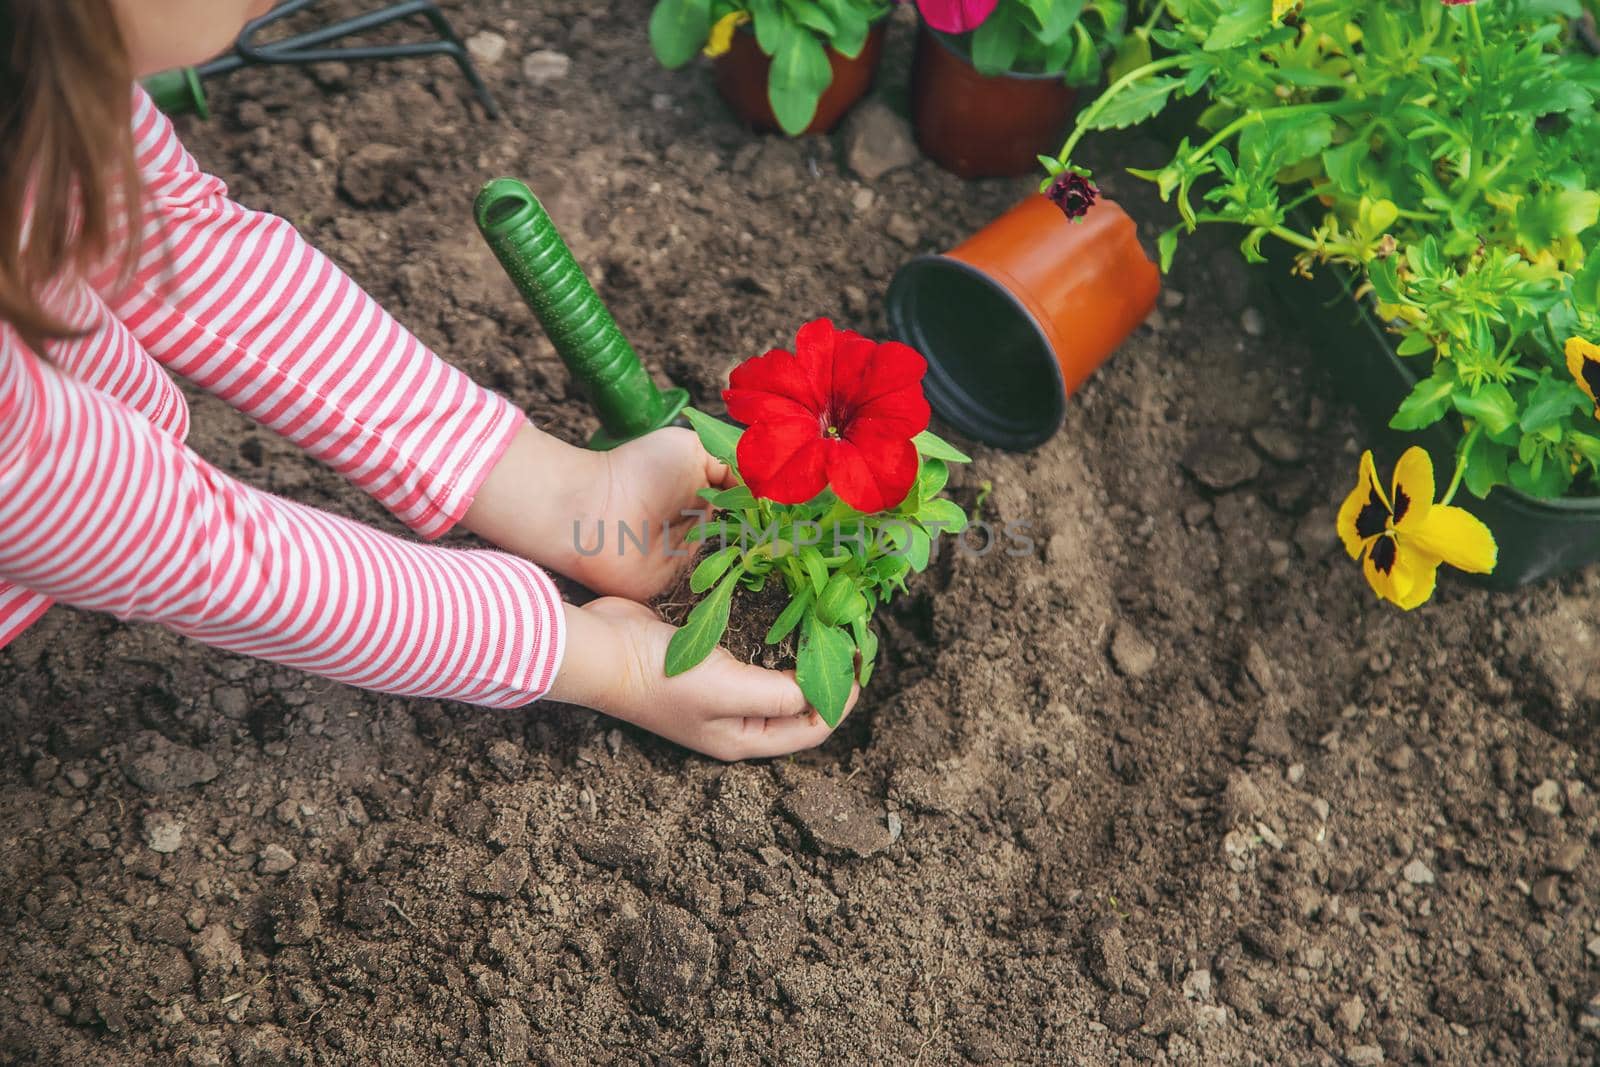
841,410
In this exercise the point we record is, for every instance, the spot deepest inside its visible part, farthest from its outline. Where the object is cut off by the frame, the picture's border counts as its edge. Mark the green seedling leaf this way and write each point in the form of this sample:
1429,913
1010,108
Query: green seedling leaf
678,30
996,41
800,74
1428,402
816,568
932,477
825,668
1133,105
1167,246
737,498
1240,23
811,16
1551,401
790,617
1491,405
717,437
711,531
1385,279
944,516
867,645
704,628
920,548
1486,467
711,568
933,446
840,601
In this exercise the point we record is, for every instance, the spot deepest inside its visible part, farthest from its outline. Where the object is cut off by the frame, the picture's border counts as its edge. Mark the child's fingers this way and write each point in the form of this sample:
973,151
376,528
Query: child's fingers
718,474
753,692
757,738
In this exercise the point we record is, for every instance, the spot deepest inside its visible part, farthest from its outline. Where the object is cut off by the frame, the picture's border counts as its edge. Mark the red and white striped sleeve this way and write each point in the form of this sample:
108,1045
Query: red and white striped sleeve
237,302
100,510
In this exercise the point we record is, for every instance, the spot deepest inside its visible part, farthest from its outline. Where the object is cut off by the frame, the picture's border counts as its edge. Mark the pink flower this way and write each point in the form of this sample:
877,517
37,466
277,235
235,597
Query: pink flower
956,16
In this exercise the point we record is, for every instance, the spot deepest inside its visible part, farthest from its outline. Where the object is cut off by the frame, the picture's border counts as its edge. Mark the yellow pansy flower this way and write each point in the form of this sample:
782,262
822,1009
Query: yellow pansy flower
1402,537
1583,360
722,33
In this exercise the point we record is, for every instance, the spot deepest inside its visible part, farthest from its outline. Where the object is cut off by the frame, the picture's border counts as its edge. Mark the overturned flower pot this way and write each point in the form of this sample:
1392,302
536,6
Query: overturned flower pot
1013,320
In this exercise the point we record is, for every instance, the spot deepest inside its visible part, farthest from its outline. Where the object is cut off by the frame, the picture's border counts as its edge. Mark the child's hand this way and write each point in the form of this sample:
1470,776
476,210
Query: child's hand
549,502
649,483
616,650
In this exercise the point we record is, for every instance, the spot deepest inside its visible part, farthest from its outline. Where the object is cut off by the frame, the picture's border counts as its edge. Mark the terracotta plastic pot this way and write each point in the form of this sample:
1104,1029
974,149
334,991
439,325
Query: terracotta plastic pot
742,72
1013,320
979,126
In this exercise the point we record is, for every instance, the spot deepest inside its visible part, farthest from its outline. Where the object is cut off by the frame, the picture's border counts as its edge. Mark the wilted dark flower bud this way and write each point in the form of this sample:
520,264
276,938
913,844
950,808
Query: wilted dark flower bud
1073,194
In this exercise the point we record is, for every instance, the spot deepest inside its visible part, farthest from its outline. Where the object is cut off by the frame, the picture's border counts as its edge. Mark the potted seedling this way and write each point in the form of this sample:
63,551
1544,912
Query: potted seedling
994,81
790,65
839,501
1436,165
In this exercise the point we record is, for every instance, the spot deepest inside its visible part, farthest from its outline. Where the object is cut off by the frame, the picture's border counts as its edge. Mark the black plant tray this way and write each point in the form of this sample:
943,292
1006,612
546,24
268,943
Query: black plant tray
1538,539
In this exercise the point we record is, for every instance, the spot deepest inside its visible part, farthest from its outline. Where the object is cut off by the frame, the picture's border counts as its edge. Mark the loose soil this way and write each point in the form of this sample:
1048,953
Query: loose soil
750,616
1167,786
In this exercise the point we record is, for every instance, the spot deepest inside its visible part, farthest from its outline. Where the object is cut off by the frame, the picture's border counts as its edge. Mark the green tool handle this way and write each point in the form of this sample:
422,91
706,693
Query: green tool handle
524,239
179,92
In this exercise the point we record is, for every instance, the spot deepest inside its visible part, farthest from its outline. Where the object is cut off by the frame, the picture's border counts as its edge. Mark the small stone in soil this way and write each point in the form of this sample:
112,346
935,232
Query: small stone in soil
275,859
1220,462
545,66
1364,1055
1253,322
1566,858
1271,738
1547,798
877,141
1279,444
903,229
163,832
1547,891
1132,654
487,47
1350,1014
1417,873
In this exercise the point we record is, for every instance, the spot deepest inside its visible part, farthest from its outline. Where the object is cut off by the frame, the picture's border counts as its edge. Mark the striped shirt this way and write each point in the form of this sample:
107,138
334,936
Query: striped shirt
102,505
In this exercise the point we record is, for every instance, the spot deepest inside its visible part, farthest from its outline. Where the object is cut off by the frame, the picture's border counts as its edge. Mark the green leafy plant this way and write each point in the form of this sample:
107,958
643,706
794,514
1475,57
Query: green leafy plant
796,34
838,494
1447,155
1065,37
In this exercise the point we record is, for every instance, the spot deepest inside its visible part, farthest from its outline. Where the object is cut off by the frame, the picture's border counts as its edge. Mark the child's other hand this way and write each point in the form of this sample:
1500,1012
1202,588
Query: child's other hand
648,484
616,650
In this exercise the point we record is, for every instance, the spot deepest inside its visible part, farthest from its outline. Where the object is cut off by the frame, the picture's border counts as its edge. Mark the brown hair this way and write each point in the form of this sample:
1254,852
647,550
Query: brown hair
67,164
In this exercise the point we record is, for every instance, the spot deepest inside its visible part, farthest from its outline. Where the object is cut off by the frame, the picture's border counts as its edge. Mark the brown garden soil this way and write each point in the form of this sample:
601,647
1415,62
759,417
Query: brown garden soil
1167,786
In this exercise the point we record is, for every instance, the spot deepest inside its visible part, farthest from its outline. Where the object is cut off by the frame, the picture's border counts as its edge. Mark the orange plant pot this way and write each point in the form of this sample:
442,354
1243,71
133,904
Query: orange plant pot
742,72
979,126
1016,318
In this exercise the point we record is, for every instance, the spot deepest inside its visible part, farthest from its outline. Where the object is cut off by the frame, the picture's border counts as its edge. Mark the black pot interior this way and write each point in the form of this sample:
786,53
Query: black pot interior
991,370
